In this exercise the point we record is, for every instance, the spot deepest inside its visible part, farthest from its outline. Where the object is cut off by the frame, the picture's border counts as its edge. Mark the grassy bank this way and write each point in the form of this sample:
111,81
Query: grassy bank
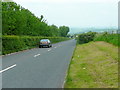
12,44
94,65
93,36
110,38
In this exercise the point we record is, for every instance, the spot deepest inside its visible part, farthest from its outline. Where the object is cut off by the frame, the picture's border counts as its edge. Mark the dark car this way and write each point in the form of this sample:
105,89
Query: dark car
45,42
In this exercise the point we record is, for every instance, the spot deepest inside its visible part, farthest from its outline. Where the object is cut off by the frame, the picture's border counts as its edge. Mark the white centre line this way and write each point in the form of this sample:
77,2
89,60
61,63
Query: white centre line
8,68
49,50
36,55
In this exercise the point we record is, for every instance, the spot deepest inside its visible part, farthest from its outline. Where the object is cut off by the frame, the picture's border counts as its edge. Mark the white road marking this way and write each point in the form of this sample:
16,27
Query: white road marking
55,47
36,55
49,50
8,68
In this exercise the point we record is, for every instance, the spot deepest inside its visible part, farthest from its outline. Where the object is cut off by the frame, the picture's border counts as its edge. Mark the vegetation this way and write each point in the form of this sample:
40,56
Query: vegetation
93,36
110,38
94,65
17,20
17,43
21,29
86,37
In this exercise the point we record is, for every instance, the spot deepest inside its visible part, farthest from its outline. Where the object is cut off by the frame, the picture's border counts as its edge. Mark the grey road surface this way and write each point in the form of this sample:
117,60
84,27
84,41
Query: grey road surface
38,68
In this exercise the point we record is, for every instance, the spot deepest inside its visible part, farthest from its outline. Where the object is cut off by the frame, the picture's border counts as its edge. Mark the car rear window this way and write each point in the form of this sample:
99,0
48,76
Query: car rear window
44,40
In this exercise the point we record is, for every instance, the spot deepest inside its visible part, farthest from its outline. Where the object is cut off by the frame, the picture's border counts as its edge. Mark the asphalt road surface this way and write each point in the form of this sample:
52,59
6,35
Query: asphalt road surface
38,67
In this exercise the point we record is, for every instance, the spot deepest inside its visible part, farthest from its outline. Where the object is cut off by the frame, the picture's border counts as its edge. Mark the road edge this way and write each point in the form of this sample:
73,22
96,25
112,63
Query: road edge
66,73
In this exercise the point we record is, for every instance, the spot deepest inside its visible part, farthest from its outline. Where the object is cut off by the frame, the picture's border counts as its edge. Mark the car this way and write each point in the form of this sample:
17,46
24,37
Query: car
44,43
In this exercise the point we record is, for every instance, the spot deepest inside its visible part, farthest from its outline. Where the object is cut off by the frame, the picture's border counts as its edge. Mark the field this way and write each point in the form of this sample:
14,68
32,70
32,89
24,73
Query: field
94,65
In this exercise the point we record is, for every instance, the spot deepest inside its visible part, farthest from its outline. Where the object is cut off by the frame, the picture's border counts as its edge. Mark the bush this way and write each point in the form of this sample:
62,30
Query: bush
86,37
16,43
110,38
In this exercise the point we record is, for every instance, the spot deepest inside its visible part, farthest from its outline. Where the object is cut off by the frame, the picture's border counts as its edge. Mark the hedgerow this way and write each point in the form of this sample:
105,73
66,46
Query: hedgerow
86,37
12,44
93,36
110,38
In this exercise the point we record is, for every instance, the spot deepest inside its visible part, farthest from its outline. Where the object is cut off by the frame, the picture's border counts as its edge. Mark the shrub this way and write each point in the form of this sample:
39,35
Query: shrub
86,37
16,43
110,38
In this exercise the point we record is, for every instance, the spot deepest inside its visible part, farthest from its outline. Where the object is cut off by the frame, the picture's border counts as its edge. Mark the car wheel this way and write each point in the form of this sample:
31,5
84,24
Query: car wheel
48,46
40,46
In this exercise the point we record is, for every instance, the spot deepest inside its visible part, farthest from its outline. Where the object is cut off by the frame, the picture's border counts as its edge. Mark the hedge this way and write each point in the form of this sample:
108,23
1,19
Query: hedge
12,44
110,38
86,37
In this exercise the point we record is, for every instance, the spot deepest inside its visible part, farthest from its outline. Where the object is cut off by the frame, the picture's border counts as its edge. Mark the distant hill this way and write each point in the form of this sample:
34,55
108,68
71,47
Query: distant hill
83,30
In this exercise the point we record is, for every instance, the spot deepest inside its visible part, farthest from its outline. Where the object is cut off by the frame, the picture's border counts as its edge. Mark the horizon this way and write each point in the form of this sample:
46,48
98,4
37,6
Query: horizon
77,30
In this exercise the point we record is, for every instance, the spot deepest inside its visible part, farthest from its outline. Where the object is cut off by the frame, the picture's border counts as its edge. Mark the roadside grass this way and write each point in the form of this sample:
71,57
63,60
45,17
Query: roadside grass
110,38
94,65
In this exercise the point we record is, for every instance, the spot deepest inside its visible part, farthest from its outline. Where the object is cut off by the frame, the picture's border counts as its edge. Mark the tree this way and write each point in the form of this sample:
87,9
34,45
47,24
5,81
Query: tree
16,20
64,30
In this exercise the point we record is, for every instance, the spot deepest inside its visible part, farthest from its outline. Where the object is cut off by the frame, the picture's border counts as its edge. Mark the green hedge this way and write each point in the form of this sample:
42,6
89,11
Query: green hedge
12,44
110,38
86,37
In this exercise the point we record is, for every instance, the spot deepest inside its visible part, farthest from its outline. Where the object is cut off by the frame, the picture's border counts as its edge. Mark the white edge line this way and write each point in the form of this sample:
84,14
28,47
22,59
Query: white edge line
8,68
66,73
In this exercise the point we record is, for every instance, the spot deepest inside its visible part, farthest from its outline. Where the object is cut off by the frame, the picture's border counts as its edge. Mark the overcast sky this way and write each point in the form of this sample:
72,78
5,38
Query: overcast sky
75,13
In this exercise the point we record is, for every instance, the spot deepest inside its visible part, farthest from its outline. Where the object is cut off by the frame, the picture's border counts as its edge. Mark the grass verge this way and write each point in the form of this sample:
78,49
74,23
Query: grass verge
94,65
110,38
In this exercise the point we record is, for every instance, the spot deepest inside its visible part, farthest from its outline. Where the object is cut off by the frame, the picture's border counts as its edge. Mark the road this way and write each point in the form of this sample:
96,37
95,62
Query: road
37,68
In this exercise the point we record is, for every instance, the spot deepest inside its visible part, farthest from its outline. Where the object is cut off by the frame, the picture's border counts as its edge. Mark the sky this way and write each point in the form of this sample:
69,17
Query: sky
75,13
